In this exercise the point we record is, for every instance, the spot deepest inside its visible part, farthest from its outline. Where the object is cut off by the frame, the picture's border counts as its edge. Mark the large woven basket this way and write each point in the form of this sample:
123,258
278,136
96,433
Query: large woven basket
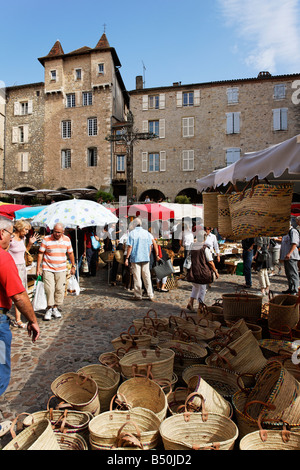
210,209
214,402
187,431
271,440
145,393
141,424
263,210
107,381
128,340
79,391
186,354
224,218
71,441
225,382
38,436
65,421
283,310
159,362
242,305
111,359
151,320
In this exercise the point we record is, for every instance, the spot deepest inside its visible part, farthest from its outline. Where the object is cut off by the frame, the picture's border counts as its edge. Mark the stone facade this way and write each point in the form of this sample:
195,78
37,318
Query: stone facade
206,126
2,130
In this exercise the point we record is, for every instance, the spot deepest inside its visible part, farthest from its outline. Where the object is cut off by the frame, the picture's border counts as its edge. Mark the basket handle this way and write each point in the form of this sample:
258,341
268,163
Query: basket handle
202,406
16,422
120,402
263,434
151,310
281,334
123,437
269,406
132,326
172,318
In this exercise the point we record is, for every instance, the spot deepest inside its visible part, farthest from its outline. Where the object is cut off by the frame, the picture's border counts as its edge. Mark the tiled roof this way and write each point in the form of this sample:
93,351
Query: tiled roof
103,42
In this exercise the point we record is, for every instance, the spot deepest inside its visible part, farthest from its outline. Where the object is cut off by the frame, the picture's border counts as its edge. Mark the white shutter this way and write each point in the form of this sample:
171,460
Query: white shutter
26,132
145,126
188,160
24,162
145,102
232,155
162,162
162,128
162,101
179,99
188,127
30,107
276,119
144,162
229,123
17,110
15,135
196,97
284,122
236,123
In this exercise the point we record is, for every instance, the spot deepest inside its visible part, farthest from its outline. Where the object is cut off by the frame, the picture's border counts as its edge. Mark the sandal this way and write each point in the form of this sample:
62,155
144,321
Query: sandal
19,324
5,427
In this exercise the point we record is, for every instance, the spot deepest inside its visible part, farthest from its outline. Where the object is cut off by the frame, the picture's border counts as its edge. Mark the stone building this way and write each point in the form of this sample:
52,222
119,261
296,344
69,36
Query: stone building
2,130
206,126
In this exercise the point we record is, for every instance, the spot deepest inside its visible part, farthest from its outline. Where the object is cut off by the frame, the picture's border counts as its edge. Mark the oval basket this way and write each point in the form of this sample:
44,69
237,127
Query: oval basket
78,391
38,436
67,421
274,440
159,362
105,429
107,381
283,310
195,431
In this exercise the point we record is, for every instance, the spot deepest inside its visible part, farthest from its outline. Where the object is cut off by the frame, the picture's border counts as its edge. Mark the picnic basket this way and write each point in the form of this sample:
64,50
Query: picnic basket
160,362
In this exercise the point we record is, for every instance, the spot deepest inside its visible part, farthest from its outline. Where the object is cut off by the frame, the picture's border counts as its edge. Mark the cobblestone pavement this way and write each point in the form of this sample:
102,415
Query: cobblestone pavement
89,322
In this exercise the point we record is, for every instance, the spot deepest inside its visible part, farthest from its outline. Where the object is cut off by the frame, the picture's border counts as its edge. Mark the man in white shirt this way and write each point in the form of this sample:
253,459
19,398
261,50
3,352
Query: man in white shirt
212,242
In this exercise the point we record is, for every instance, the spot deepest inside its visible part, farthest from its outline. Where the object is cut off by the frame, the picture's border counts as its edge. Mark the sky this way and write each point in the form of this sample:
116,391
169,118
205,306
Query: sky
165,41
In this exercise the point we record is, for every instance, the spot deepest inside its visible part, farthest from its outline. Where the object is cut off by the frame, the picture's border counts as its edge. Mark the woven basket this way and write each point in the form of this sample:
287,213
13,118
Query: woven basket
38,436
80,392
198,431
283,310
224,218
71,441
65,421
242,326
145,393
271,440
225,382
214,402
160,362
127,340
242,305
243,356
263,210
212,312
107,381
186,354
210,209
111,359
177,399
271,347
106,429
151,320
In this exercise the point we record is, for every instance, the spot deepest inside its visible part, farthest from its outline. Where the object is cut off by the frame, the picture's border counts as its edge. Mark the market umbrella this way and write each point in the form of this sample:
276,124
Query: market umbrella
28,212
74,213
151,212
8,210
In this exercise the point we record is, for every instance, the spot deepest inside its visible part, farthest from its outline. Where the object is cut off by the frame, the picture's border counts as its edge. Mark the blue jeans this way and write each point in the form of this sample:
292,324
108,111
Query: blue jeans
247,260
5,347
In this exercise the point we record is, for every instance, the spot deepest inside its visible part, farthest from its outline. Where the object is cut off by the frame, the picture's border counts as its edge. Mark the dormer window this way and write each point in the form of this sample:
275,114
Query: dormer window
53,75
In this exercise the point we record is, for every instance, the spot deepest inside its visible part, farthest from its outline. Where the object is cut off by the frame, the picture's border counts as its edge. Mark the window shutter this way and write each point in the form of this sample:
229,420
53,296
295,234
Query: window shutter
30,107
145,126
229,123
284,122
179,99
162,128
236,123
162,101
24,161
163,161
17,111
144,162
26,133
145,102
276,119
232,155
15,135
197,98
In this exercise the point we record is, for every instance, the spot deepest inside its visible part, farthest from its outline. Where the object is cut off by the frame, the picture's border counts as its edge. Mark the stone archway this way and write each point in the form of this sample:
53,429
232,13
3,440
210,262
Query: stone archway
195,197
154,194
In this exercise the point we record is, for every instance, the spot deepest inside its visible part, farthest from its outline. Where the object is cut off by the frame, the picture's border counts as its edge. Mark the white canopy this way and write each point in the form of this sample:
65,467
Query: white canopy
280,160
182,211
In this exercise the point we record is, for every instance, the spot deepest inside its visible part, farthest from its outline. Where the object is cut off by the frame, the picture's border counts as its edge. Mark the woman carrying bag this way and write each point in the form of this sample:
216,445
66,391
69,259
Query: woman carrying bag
263,262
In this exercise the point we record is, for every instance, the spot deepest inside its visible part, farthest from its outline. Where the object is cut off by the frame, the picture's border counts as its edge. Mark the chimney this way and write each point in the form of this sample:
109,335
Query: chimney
139,82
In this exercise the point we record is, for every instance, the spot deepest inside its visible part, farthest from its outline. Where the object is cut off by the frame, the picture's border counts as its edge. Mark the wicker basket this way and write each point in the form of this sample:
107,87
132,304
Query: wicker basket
283,310
242,305
71,441
177,399
225,382
186,354
160,362
65,421
224,218
201,431
80,392
145,393
271,440
243,326
142,429
127,340
263,210
151,320
111,359
38,436
107,380
214,402
210,209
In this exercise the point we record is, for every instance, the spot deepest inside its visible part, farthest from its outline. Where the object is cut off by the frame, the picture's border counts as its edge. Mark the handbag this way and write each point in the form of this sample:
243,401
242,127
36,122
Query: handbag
28,258
95,243
163,268
39,301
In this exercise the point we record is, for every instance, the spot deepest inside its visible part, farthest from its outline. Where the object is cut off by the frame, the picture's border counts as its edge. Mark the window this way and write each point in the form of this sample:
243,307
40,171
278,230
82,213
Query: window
154,127
22,108
232,155
87,98
121,163
232,95
101,69
20,134
157,161
188,98
70,103
188,160
78,74
153,102
279,91
53,75
232,123
92,126
66,129
280,119
66,158
188,127
92,157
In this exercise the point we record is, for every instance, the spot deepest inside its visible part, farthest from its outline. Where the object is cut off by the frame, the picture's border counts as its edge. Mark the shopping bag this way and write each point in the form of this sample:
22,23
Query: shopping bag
84,265
39,301
163,268
95,243
73,286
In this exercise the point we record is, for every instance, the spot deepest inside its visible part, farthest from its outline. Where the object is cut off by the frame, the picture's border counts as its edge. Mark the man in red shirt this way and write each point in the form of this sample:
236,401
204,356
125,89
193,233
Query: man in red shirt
11,290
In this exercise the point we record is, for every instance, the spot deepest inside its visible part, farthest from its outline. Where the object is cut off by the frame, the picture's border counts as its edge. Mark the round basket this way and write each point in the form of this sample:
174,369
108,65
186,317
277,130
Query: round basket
177,399
145,393
159,362
107,380
283,310
78,391
242,305
198,431
225,382
142,429
71,441
210,209
38,436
